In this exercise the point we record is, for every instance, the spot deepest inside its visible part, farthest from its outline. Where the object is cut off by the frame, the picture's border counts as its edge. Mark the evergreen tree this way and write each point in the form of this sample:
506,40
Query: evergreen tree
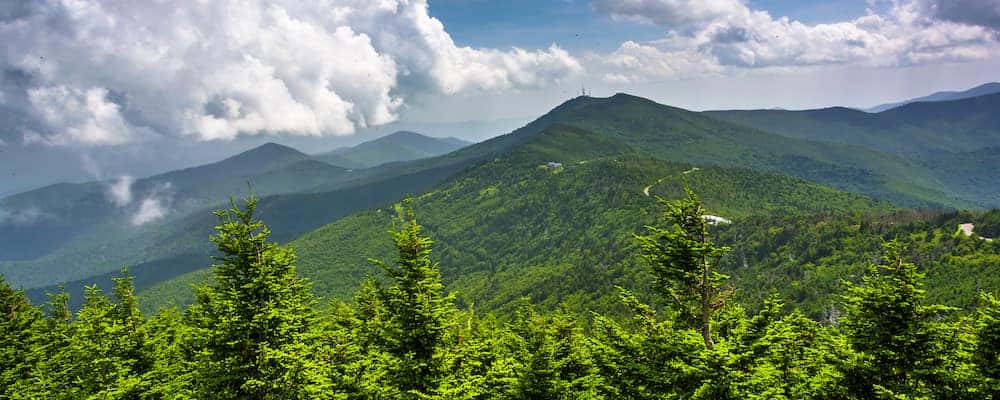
683,261
19,321
418,312
557,363
253,321
894,332
987,354
647,357
168,341
53,362
103,350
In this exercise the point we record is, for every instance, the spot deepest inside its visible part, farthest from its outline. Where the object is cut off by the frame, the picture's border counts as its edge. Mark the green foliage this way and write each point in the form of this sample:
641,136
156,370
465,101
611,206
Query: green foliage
418,312
987,353
683,261
901,347
18,319
989,225
255,331
506,230
252,322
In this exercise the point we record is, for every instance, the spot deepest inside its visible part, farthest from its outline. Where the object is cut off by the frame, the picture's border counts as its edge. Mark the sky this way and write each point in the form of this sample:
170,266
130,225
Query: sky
98,89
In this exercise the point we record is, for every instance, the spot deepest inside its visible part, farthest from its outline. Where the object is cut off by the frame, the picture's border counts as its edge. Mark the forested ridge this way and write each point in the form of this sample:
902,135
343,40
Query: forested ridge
256,331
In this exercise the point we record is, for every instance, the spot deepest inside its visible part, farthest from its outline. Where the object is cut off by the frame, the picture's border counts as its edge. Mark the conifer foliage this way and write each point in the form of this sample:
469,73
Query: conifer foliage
417,310
253,320
255,331
683,259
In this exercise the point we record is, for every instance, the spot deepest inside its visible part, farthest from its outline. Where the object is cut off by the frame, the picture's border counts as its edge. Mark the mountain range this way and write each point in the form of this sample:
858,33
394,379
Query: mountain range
558,197
399,146
981,90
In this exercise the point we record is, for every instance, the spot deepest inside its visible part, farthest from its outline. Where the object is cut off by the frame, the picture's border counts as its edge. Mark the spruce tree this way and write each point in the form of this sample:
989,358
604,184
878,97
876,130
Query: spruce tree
419,312
683,261
19,321
895,333
51,356
254,319
987,354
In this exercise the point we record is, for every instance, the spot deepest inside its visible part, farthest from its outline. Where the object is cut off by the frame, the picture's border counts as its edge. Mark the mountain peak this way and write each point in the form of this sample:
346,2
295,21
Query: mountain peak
269,149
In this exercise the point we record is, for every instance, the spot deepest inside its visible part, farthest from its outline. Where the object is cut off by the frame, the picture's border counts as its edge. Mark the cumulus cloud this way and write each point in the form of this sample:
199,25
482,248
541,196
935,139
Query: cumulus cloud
83,116
106,72
677,15
718,35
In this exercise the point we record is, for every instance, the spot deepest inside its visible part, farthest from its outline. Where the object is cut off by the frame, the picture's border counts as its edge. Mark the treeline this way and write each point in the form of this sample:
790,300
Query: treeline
256,332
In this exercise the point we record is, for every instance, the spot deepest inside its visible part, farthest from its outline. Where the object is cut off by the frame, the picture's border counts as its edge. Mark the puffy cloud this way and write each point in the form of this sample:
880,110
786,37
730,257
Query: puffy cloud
105,72
634,62
82,116
676,15
711,36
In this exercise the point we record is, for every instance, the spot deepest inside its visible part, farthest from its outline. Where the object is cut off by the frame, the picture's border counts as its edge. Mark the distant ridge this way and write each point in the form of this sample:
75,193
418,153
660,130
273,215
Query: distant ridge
395,147
981,90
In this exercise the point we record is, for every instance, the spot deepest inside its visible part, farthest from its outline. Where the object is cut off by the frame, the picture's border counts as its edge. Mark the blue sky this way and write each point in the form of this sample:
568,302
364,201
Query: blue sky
574,25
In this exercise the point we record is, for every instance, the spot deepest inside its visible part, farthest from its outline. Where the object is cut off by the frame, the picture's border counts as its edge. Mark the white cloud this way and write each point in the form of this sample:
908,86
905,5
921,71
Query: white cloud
634,62
150,209
706,37
154,206
676,15
83,116
120,191
215,70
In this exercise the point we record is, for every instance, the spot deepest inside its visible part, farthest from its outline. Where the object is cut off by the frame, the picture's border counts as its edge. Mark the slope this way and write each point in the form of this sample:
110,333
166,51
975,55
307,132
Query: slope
621,124
513,225
679,135
960,125
941,137
395,147
72,223
981,90
164,251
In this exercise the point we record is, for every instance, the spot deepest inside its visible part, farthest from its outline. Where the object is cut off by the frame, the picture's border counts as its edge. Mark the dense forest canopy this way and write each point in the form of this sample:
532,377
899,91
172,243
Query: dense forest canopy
255,330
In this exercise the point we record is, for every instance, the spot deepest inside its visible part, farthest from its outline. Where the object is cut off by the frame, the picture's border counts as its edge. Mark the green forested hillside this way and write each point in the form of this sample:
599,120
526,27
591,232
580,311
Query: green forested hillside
807,258
66,216
678,135
954,142
957,126
256,331
395,147
580,130
516,227
981,90
178,247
